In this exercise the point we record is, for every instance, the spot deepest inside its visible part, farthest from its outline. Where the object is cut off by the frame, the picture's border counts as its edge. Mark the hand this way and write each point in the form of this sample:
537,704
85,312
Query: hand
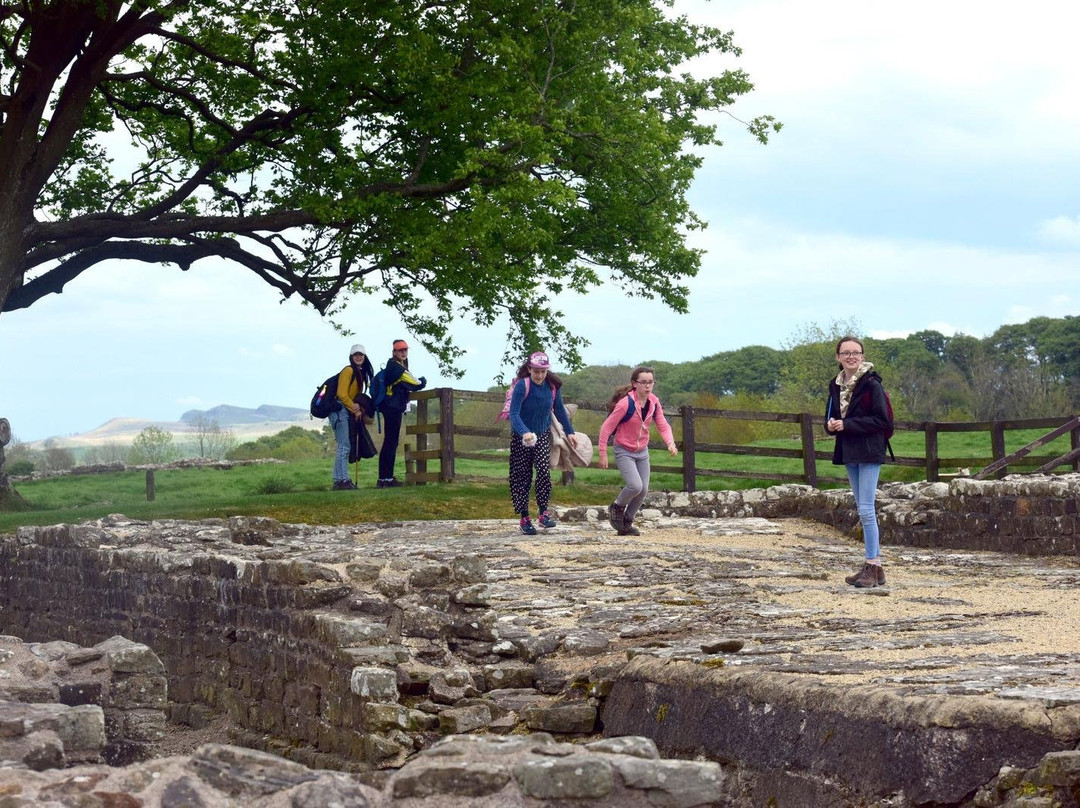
835,425
528,439
672,449
423,381
603,461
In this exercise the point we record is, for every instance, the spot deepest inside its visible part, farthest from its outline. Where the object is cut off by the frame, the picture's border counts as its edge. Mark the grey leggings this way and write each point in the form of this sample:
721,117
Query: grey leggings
634,468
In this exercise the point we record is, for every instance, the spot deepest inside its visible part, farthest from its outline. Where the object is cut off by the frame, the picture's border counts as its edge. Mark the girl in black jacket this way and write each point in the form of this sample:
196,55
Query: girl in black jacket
858,415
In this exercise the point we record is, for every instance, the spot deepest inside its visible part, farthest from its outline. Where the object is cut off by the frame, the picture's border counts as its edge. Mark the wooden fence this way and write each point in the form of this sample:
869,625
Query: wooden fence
435,431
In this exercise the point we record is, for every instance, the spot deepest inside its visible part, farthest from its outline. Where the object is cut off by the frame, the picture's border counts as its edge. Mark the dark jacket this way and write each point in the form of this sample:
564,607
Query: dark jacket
399,383
867,419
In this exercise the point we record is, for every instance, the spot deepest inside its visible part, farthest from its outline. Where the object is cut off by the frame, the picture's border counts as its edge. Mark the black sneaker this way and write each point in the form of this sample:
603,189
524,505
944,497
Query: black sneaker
527,526
343,485
546,519
393,482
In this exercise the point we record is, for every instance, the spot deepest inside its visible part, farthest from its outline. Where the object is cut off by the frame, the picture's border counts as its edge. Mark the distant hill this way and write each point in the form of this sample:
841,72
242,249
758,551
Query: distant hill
245,424
228,416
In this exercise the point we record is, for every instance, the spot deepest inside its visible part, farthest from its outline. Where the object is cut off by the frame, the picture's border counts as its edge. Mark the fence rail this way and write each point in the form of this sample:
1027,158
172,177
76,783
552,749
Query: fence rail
435,432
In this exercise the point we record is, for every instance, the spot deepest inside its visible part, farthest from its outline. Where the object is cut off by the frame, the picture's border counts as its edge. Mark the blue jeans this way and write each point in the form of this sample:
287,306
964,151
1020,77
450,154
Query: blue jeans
864,479
339,421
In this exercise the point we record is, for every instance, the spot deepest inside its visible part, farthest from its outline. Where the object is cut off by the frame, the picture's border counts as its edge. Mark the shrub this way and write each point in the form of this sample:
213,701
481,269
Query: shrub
275,484
20,468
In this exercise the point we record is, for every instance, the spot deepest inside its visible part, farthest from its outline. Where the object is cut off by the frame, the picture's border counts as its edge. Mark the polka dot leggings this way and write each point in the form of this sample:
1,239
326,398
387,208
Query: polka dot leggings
522,462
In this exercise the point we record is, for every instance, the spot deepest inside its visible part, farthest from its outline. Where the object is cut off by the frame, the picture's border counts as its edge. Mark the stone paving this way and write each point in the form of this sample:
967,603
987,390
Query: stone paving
947,622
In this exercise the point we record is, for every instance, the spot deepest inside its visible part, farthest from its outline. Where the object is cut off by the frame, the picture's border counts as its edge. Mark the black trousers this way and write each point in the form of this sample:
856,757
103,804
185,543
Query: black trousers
391,425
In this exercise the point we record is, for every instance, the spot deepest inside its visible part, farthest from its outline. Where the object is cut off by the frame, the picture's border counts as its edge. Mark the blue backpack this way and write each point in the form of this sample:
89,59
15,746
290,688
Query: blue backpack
378,389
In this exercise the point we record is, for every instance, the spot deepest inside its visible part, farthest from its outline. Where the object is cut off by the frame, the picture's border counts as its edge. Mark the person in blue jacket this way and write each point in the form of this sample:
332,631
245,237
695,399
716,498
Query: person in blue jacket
399,384
536,395
858,415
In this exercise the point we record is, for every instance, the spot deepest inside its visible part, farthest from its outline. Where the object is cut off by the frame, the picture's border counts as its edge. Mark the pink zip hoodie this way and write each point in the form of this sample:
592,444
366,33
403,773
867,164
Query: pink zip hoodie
634,433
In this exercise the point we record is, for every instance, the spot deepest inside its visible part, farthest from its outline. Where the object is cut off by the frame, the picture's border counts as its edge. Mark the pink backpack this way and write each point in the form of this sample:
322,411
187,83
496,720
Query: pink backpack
505,414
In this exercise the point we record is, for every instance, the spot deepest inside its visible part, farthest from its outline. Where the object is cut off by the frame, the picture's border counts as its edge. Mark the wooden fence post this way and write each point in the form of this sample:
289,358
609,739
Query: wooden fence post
421,438
150,488
997,445
933,467
1074,444
446,434
688,459
809,461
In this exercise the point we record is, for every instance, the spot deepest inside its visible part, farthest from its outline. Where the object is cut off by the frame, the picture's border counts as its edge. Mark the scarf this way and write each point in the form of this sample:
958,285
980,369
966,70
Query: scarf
847,387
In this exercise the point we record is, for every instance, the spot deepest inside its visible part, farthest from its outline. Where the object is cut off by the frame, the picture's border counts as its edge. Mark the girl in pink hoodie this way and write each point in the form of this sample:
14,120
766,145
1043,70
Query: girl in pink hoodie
633,407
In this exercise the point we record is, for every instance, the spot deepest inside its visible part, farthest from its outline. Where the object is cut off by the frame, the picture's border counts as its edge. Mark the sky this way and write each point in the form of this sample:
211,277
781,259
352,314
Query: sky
927,177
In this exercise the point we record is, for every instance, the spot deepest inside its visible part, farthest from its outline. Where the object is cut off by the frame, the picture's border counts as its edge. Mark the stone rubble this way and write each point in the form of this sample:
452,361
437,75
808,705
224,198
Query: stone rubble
368,647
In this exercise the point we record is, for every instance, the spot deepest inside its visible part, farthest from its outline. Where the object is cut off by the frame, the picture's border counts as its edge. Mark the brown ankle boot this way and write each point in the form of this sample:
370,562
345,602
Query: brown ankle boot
869,576
850,579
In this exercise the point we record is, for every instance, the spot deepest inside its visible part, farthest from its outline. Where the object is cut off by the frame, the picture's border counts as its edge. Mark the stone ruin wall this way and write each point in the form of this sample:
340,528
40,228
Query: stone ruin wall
62,704
1025,514
341,662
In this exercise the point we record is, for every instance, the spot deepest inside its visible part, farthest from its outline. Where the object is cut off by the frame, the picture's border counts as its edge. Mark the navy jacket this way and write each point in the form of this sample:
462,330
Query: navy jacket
863,439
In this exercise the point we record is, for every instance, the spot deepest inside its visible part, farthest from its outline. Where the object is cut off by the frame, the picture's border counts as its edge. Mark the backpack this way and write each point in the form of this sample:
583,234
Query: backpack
325,400
505,414
631,408
378,389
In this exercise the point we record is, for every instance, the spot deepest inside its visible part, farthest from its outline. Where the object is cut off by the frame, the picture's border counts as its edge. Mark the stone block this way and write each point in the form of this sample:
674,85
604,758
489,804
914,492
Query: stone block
469,569
379,717
566,717
508,675
124,656
576,777
449,779
374,684
344,632
458,720
677,783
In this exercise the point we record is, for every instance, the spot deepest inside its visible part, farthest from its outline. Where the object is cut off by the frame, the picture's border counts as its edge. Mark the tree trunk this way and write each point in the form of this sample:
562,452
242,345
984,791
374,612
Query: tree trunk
9,497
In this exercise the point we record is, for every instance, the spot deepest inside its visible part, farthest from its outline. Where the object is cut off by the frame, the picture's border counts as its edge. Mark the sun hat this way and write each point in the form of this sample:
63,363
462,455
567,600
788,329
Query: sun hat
357,348
539,360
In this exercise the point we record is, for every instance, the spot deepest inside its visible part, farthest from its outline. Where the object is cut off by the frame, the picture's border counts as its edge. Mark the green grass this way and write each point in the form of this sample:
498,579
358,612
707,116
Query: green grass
243,490
300,491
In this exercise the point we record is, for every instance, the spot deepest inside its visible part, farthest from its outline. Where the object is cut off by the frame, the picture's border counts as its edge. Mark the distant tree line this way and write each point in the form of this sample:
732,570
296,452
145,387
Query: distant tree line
1026,370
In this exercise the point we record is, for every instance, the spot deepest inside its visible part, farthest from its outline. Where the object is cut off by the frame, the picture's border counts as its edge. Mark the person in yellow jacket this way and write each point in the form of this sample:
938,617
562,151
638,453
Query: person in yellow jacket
354,379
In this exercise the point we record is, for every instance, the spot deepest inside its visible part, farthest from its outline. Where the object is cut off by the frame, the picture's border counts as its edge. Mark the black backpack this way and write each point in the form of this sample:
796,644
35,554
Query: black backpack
325,399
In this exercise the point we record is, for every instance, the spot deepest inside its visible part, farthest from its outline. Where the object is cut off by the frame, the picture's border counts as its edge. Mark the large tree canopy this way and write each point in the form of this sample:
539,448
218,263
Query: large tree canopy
449,157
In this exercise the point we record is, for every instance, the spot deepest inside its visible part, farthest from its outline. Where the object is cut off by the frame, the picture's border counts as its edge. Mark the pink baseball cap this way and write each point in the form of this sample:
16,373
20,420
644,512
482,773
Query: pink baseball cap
539,360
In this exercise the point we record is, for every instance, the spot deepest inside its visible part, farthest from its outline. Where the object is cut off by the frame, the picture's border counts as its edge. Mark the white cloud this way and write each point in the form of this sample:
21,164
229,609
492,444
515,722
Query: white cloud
1061,230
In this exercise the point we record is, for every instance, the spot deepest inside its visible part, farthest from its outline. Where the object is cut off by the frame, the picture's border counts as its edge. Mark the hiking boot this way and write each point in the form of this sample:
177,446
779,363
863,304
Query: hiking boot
628,529
615,513
393,482
868,577
546,519
850,579
344,485
527,526
880,574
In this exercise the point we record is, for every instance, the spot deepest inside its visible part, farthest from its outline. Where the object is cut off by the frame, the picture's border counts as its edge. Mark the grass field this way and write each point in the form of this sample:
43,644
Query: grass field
299,491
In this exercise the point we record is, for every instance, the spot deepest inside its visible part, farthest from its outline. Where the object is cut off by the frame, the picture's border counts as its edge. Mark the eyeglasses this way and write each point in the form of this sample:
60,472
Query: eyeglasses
849,354
650,381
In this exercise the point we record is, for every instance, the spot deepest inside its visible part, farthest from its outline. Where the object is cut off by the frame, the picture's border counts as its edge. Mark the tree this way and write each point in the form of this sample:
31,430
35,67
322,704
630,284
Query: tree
447,156
56,457
108,452
211,441
153,446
